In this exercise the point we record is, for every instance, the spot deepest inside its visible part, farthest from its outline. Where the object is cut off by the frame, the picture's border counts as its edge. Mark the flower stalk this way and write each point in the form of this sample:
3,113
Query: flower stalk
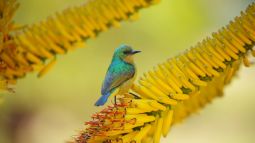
35,47
176,88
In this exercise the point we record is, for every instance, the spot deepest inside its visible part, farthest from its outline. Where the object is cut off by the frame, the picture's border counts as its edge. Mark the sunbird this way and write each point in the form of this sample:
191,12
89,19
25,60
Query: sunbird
120,74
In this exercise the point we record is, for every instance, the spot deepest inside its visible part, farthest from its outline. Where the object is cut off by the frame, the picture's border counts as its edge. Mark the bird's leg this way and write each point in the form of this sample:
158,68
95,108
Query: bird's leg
135,96
115,100
127,98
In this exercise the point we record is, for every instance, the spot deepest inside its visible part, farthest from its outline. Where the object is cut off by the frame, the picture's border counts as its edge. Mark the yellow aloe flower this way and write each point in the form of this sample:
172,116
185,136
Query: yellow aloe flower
163,96
7,45
175,88
34,48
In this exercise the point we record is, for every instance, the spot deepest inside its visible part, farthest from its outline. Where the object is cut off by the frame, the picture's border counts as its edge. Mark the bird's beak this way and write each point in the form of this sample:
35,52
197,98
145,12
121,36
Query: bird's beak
134,52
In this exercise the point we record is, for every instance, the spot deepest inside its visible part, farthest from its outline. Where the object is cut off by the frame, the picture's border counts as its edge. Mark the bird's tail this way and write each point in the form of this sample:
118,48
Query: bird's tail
101,101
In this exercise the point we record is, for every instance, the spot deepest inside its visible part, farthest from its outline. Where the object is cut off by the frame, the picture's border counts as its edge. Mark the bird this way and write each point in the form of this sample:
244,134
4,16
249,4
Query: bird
120,75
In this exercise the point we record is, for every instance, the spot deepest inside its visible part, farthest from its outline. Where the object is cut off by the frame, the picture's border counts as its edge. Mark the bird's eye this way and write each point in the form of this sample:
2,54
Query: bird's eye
127,52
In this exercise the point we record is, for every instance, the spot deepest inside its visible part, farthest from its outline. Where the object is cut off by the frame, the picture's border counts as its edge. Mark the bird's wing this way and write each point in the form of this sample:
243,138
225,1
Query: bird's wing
117,75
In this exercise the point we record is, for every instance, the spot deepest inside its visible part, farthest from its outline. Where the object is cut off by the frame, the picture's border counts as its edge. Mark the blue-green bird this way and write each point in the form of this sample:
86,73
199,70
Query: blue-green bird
120,75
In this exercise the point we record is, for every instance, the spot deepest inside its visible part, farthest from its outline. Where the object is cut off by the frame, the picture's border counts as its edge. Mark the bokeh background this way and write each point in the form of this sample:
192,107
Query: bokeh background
53,108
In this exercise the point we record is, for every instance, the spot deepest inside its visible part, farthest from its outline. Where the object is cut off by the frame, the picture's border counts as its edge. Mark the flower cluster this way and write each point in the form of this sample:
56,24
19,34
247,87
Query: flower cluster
7,45
163,96
175,88
34,48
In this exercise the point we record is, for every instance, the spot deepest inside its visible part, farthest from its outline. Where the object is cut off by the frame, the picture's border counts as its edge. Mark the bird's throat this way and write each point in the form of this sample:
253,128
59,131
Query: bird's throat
129,59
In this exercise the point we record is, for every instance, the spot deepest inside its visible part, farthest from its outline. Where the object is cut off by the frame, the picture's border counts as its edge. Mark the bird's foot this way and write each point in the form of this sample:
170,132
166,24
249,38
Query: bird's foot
134,95
115,100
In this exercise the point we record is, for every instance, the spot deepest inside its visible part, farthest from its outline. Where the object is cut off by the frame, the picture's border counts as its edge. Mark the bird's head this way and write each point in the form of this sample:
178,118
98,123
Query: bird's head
125,53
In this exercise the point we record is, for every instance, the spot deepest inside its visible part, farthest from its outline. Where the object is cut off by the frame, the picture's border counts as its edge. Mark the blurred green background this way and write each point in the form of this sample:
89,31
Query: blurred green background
53,108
